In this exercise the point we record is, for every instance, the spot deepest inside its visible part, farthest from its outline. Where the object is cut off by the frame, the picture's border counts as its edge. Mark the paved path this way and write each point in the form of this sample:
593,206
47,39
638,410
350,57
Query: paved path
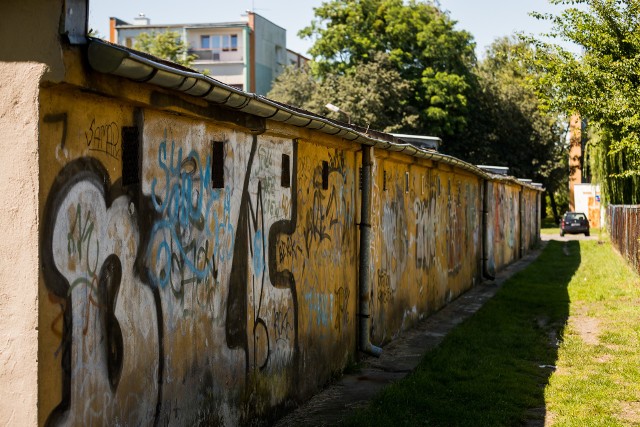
399,357
568,237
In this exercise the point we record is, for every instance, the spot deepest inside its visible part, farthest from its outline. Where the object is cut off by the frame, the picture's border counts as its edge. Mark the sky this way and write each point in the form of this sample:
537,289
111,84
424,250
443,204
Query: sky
486,20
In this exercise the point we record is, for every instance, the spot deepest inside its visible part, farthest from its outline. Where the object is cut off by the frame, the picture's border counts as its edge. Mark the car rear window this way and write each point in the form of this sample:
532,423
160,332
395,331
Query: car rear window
575,217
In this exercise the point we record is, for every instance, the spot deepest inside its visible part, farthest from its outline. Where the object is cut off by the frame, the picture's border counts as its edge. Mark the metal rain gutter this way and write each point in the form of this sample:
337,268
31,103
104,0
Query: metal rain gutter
117,60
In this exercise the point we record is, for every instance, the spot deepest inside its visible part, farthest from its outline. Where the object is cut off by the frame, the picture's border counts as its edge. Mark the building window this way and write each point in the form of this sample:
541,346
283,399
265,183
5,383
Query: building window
128,42
229,42
217,164
205,42
325,175
217,43
285,176
406,182
212,46
280,60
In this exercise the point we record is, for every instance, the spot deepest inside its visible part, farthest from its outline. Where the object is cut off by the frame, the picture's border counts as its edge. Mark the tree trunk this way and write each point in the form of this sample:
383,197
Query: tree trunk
554,208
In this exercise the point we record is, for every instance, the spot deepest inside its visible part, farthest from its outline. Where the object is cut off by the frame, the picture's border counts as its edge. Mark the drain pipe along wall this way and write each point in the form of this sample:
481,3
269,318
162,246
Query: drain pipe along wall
488,266
365,257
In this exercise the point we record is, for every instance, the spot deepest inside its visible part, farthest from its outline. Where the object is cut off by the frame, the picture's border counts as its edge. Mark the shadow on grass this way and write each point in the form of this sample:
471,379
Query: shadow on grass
491,370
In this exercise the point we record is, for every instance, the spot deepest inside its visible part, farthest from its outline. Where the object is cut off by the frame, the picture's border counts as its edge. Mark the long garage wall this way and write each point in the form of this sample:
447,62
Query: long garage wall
427,240
201,265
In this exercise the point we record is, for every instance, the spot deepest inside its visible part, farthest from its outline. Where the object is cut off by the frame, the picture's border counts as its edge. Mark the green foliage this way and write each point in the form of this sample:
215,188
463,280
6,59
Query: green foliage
418,40
602,84
400,66
166,45
507,125
372,95
295,86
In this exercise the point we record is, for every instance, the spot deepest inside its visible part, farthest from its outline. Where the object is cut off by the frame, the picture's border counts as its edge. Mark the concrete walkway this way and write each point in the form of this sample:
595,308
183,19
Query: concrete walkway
399,357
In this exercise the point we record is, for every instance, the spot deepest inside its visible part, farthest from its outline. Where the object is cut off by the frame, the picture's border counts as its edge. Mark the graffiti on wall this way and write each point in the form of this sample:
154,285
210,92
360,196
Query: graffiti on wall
455,227
134,268
504,229
190,238
463,230
426,224
109,314
324,241
171,287
394,241
249,300
103,138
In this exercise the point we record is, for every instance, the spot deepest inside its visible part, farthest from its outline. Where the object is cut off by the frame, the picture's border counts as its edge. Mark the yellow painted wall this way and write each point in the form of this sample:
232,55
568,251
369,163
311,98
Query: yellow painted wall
530,224
172,299
426,222
169,296
503,224
166,295
321,254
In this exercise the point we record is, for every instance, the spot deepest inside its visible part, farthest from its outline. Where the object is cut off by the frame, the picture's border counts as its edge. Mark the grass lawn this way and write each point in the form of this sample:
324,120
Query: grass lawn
551,230
597,382
549,226
576,308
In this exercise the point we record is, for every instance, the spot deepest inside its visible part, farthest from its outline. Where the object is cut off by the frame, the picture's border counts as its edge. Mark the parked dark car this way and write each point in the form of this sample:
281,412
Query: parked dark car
574,223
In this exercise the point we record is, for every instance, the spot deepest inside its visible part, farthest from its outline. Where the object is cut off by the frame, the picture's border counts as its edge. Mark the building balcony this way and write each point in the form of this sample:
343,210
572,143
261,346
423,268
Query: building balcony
209,55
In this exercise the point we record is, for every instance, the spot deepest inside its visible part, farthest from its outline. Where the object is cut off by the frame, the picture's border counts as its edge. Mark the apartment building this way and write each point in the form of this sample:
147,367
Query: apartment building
247,54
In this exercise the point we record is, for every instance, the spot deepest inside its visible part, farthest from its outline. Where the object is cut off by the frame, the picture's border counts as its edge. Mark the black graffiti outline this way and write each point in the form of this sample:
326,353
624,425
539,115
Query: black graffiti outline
237,301
284,279
76,171
321,219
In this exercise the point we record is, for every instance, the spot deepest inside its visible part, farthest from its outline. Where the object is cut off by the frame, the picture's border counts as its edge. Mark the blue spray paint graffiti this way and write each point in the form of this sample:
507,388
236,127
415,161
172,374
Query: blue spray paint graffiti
321,307
191,237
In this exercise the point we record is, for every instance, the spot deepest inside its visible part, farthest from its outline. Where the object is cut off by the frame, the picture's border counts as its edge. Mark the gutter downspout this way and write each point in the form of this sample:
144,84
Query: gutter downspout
521,220
364,280
485,232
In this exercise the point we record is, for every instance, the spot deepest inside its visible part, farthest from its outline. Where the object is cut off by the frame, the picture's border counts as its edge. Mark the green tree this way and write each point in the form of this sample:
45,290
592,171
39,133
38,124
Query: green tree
166,45
295,86
419,42
371,96
602,84
507,124
401,66
528,138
